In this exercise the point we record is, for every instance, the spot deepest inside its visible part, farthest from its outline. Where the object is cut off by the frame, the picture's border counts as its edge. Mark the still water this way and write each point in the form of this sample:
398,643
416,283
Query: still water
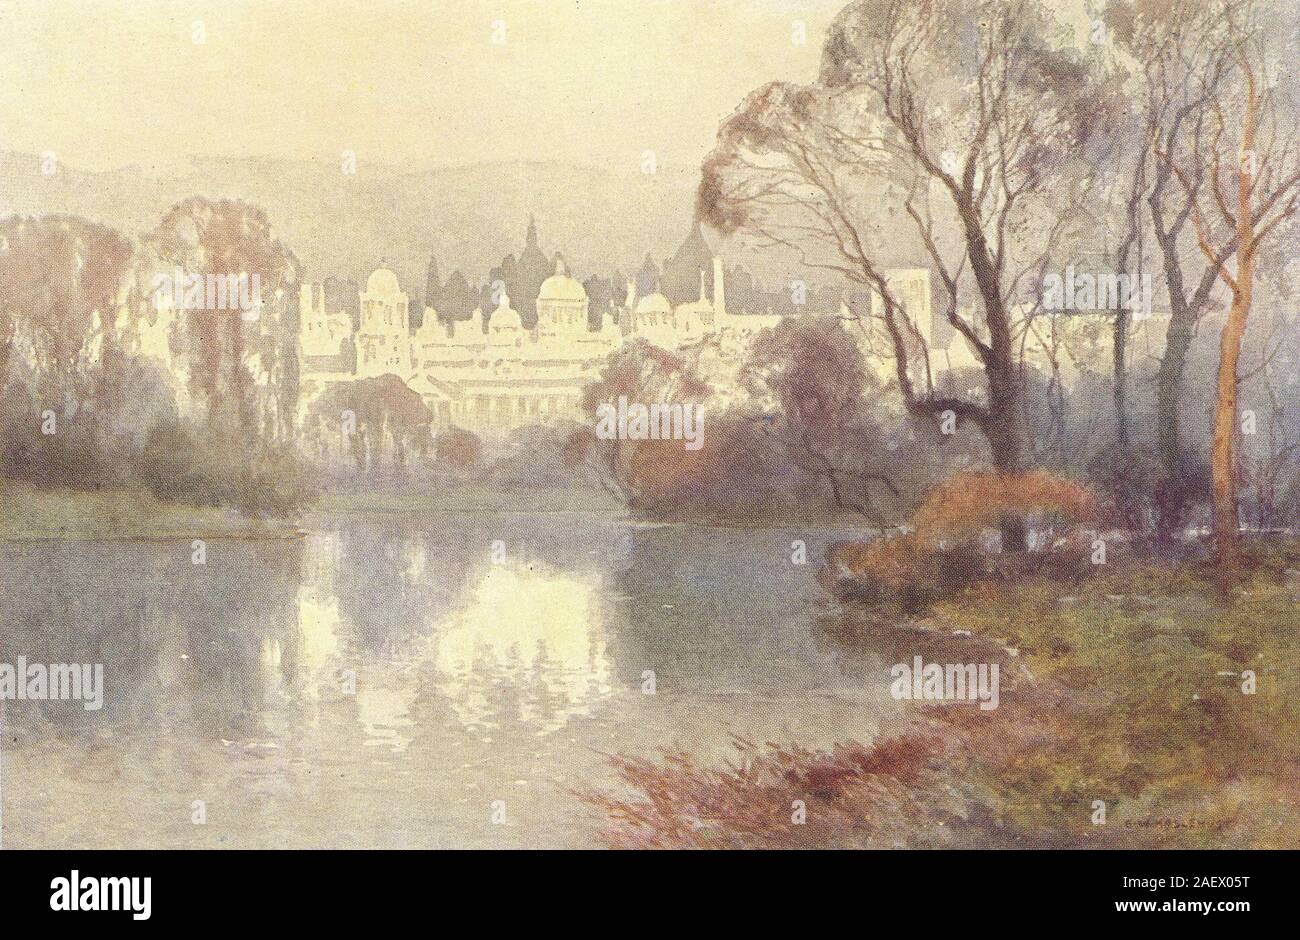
385,680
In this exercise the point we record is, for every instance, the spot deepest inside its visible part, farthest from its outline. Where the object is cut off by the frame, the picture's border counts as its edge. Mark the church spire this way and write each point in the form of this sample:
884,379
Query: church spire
531,241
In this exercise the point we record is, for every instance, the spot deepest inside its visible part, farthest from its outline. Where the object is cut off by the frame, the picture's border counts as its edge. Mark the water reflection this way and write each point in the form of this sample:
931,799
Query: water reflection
385,716
529,646
377,682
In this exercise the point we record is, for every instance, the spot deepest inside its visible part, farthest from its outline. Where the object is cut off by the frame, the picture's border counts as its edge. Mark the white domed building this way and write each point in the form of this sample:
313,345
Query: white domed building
652,320
491,381
489,374
384,339
325,337
562,305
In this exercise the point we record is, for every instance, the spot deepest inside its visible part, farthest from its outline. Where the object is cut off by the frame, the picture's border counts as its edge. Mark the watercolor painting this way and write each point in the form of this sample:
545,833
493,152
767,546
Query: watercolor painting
649,424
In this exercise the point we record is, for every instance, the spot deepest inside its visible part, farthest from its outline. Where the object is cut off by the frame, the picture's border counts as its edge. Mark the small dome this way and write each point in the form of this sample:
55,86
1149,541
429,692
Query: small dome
505,318
654,303
560,286
383,281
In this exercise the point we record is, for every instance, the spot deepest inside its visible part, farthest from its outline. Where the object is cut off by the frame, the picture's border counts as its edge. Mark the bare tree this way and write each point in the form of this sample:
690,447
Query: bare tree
1243,183
966,113
1178,58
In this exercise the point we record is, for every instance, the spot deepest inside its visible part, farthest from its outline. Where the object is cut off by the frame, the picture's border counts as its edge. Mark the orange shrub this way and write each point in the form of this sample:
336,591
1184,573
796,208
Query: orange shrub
967,503
938,558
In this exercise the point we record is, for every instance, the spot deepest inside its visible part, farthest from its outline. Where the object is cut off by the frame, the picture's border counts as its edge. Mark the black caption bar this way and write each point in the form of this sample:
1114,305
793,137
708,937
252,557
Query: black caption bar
333,889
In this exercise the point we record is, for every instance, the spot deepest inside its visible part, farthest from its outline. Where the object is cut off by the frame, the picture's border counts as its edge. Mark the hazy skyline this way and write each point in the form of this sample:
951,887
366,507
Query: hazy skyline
409,87
406,84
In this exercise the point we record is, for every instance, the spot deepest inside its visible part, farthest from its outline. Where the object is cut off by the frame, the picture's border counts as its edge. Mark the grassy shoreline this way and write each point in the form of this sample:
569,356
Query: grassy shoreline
479,498
1140,708
29,513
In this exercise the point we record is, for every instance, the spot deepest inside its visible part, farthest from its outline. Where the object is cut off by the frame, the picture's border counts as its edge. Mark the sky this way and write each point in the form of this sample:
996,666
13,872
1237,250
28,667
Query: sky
110,83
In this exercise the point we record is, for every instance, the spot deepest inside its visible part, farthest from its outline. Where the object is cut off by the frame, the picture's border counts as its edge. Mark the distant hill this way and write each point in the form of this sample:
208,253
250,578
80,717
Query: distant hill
343,226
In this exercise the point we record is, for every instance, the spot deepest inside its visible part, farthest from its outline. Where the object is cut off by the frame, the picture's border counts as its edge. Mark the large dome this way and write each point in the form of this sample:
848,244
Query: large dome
560,286
654,303
383,281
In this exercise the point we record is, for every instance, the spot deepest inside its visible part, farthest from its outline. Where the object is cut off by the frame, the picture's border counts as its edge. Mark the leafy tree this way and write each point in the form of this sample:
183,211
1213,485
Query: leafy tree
65,283
811,373
460,448
242,364
382,418
1177,56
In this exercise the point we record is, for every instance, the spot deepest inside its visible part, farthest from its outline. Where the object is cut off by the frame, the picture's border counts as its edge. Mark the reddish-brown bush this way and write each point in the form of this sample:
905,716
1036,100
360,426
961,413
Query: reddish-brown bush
939,555
966,504
461,449
855,795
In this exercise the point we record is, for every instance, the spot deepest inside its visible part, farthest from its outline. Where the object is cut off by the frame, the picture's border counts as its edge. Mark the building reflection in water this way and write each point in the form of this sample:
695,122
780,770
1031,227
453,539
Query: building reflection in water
528,647
513,645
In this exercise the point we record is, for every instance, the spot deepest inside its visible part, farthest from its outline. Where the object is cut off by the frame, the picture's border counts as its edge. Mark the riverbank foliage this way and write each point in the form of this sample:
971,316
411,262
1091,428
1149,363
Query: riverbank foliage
1149,696
944,547
105,383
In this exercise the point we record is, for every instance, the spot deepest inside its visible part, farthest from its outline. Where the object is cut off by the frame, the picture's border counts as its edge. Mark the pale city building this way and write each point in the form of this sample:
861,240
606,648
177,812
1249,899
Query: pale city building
384,340
493,376
150,336
931,340
490,375
153,332
562,306
326,338
1071,343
